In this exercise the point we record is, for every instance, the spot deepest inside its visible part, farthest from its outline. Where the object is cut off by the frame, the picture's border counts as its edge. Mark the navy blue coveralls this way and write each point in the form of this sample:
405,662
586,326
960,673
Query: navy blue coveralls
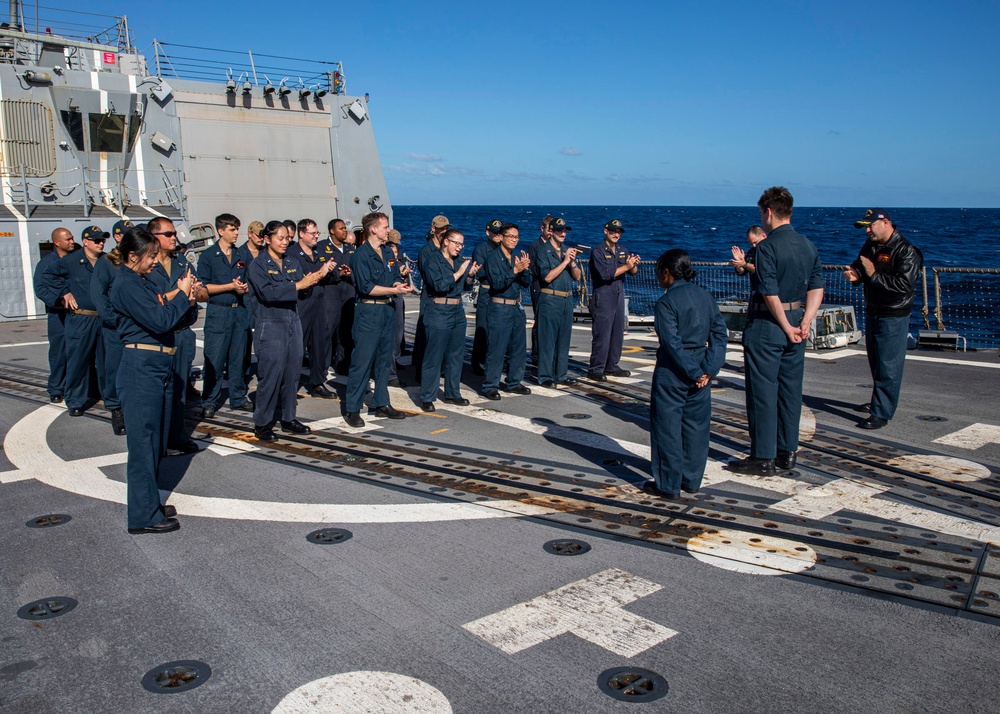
374,327
787,266
277,336
227,324
55,316
505,336
553,315
146,384
399,305
338,300
316,339
420,336
84,348
444,326
184,356
693,340
104,276
479,341
607,307
535,287
897,265
243,254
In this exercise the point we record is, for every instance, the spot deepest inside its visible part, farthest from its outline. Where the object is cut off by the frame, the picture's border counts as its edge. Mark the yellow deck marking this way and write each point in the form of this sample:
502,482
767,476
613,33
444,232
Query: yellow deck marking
439,431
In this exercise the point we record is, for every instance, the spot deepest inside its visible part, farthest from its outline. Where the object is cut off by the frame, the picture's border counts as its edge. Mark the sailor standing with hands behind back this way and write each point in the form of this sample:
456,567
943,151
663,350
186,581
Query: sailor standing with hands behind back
778,323
693,338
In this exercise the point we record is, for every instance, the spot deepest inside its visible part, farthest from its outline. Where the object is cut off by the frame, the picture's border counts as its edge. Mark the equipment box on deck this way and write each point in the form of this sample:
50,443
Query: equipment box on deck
833,326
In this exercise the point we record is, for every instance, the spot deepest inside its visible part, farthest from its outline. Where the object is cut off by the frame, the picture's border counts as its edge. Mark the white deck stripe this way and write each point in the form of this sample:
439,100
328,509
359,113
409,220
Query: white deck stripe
27,449
972,437
25,344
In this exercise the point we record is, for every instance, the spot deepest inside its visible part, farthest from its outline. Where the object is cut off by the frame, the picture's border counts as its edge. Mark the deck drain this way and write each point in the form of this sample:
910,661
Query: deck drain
633,684
576,415
46,608
173,677
566,547
931,417
54,519
329,536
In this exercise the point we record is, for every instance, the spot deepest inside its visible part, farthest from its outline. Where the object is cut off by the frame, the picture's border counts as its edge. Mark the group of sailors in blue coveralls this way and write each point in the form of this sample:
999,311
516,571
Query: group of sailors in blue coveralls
129,314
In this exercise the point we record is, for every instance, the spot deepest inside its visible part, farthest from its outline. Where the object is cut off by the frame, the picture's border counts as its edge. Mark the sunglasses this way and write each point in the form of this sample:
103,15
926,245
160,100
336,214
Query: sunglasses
168,234
96,240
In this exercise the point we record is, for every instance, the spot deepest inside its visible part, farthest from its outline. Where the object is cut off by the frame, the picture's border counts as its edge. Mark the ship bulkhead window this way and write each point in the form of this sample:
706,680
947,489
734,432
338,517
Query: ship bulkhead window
73,121
134,124
107,132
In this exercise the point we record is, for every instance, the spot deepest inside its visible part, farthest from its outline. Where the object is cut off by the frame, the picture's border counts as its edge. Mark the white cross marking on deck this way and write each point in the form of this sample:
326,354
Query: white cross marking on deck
590,609
972,437
847,495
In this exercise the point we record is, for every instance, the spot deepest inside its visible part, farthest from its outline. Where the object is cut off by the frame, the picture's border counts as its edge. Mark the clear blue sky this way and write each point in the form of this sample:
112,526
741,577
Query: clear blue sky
675,103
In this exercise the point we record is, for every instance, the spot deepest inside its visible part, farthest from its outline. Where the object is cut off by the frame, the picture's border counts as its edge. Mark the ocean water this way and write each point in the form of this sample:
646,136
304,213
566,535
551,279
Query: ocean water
952,238
948,237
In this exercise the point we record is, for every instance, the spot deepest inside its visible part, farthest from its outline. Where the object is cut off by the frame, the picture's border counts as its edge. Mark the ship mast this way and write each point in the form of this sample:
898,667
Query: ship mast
15,15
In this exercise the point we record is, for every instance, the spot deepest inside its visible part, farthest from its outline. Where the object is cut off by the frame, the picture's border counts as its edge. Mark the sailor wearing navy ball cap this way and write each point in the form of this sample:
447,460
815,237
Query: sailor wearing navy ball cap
70,276
887,267
105,272
609,264
439,225
555,269
494,233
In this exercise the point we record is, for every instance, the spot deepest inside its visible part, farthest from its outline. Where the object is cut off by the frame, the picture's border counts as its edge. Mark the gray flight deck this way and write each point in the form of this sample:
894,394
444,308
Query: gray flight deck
443,598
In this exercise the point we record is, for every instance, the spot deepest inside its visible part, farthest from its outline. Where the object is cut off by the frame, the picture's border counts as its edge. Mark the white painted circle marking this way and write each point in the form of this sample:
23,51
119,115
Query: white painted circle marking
946,468
750,553
365,693
27,449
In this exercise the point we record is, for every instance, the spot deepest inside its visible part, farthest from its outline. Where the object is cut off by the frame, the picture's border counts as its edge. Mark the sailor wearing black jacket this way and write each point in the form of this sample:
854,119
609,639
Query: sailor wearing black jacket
887,267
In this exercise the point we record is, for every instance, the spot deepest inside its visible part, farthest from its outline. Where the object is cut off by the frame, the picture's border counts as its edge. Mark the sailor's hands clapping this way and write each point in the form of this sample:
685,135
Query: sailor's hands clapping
739,259
521,263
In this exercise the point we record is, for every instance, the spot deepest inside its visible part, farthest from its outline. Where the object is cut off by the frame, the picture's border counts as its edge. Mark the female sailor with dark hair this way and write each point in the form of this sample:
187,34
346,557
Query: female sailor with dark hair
692,350
275,281
146,323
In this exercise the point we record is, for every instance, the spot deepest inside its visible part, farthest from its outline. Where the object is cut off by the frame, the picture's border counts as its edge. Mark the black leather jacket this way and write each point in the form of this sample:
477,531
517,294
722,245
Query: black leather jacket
889,292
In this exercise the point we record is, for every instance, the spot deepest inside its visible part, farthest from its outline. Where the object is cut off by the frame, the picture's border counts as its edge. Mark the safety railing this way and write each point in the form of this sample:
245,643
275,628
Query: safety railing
115,188
967,302
244,71
961,300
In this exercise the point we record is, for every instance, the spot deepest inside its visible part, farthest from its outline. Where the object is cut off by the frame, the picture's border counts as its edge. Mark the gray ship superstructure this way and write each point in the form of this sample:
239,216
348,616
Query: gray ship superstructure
92,131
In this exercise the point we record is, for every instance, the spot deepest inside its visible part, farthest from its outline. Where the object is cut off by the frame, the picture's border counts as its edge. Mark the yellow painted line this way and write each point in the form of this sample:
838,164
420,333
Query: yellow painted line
439,431
632,348
411,412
